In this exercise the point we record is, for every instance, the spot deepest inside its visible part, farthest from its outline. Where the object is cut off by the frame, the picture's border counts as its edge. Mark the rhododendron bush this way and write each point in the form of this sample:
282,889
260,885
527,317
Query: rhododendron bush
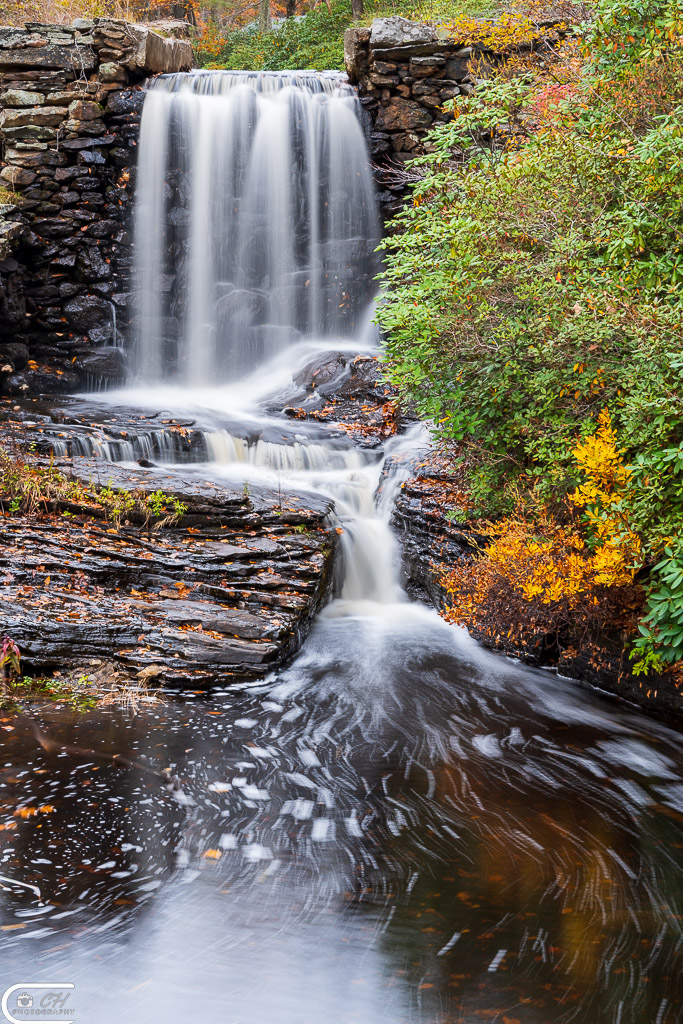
533,301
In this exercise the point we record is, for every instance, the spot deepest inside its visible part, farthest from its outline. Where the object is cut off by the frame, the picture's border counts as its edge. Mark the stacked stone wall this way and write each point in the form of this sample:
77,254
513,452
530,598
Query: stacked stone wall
70,105
405,72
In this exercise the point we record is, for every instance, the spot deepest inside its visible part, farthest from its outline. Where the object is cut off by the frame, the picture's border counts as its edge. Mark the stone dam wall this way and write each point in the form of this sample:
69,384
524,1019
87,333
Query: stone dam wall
70,103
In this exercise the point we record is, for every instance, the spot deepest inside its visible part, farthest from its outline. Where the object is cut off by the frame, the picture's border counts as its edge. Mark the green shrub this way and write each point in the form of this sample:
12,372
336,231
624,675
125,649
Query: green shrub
538,279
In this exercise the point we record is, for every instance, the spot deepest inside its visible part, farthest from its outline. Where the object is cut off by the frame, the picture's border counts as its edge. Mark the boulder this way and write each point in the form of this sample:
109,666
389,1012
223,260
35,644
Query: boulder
387,33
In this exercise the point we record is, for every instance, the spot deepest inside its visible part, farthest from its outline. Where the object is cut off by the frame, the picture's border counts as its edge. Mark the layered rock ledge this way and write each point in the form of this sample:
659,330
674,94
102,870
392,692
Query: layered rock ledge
226,594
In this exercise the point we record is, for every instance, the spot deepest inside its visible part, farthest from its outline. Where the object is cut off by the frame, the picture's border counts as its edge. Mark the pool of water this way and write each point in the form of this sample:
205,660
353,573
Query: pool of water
397,828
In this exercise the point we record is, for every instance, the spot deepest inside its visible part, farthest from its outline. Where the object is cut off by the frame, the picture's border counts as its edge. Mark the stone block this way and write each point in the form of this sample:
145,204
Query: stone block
87,311
154,54
65,96
54,57
85,110
35,116
21,98
30,131
402,115
431,60
405,53
125,102
426,70
422,88
84,127
391,32
17,175
355,55
457,67
383,67
110,71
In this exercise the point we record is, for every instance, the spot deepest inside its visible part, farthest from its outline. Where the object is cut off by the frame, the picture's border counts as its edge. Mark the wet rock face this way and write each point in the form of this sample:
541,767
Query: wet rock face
70,104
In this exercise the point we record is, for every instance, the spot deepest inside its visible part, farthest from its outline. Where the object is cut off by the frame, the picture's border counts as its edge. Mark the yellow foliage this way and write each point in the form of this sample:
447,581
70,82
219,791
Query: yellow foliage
508,31
542,561
549,564
619,550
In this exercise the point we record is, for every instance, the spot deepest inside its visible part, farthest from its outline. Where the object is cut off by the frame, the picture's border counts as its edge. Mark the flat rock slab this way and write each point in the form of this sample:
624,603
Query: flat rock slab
226,595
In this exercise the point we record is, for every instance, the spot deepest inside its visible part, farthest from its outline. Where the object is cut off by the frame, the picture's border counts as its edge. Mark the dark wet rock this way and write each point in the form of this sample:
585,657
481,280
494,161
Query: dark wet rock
103,365
349,393
41,380
86,311
125,102
226,595
14,353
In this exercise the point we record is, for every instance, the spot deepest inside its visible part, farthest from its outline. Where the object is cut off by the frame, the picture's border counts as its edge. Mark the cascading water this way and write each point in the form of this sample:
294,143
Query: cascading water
256,229
256,221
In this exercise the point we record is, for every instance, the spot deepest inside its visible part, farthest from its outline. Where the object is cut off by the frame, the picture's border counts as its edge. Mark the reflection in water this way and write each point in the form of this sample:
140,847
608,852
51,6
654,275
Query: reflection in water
398,828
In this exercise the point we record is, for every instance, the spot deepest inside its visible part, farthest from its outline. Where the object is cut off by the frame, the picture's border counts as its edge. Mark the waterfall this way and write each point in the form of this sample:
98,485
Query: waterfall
256,221
256,229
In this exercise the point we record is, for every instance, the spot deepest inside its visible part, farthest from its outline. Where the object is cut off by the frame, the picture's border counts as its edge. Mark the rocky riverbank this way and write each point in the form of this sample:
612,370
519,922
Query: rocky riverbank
437,540
222,593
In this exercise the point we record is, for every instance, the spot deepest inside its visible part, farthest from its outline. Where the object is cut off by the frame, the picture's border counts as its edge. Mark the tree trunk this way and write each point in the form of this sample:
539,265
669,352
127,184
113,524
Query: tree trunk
356,9
290,8
264,20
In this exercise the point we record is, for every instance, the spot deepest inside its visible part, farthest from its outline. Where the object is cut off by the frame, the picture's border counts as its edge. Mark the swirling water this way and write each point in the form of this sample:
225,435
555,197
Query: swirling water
399,827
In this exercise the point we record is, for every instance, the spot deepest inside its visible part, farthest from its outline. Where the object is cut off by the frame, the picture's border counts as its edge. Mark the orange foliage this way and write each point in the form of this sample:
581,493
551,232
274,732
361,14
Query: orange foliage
539,574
